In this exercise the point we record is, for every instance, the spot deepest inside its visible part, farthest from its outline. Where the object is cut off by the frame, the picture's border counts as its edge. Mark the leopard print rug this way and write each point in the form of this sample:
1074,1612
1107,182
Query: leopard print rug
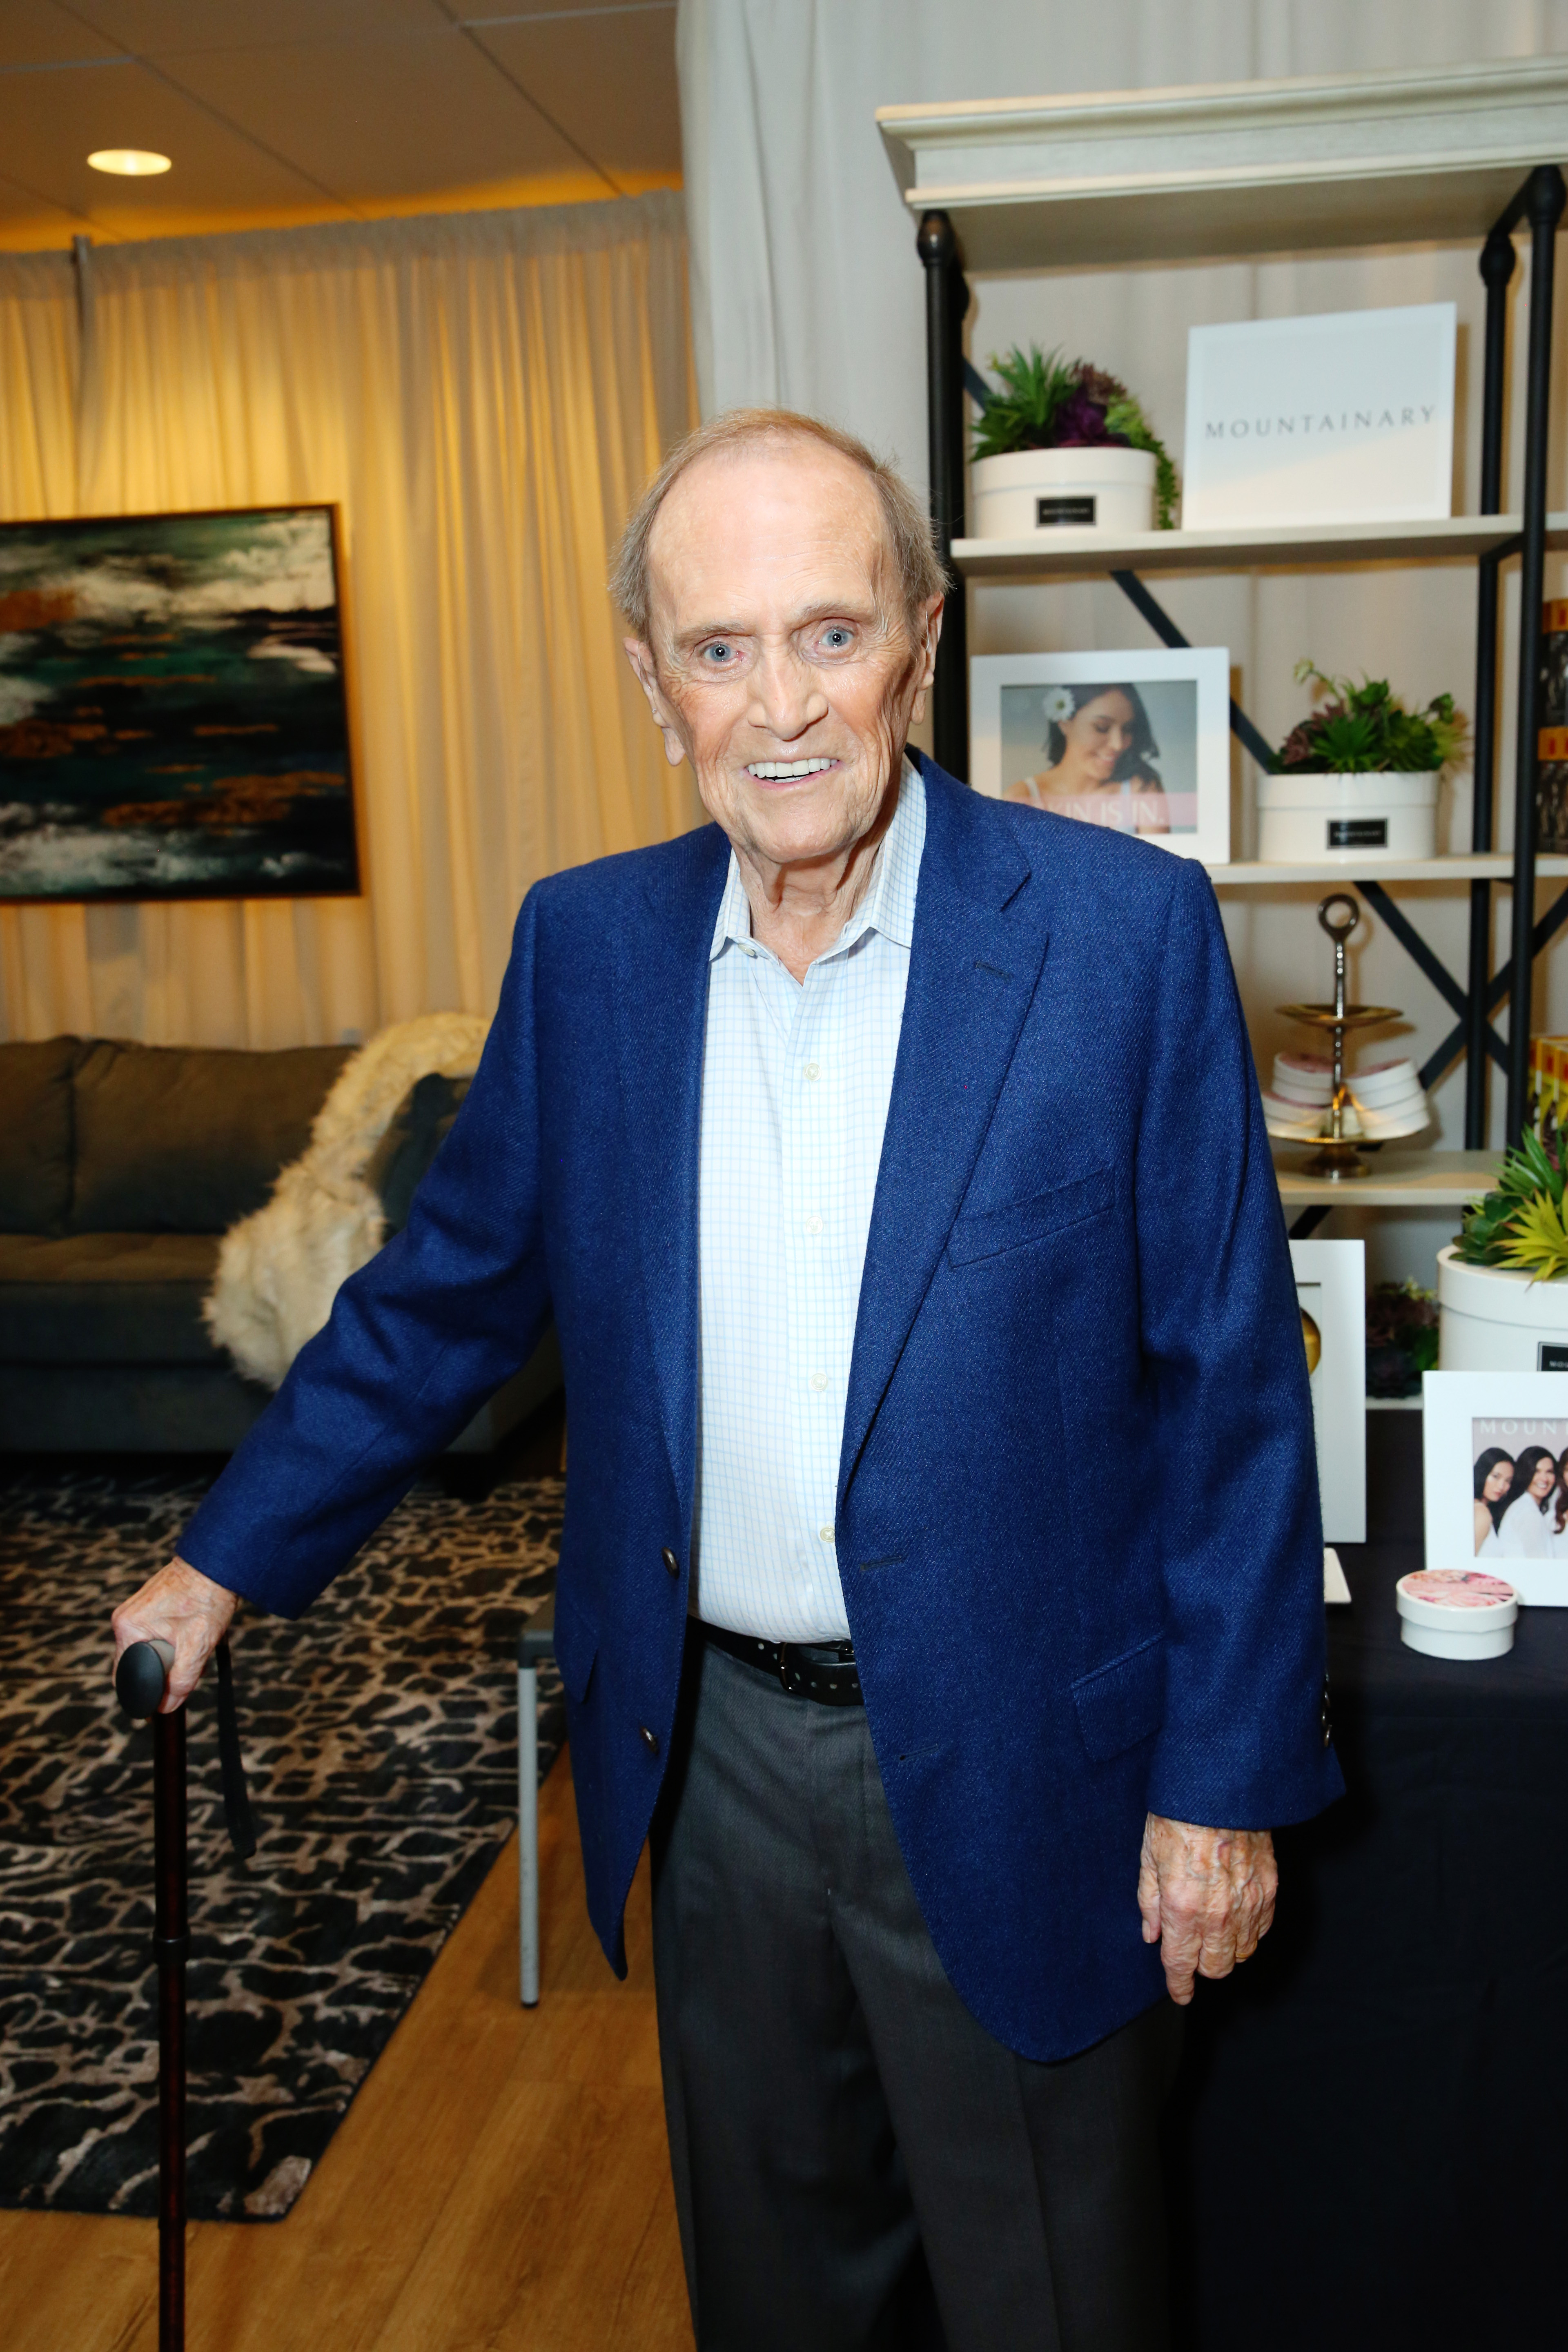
379,1739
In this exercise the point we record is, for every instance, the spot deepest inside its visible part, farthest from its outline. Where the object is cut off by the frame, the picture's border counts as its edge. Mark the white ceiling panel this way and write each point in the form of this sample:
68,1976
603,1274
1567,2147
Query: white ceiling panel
607,78
44,143
38,33
383,120
155,28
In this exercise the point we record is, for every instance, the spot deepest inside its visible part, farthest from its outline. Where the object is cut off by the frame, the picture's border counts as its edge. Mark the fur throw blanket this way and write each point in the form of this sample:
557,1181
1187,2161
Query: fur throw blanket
279,1271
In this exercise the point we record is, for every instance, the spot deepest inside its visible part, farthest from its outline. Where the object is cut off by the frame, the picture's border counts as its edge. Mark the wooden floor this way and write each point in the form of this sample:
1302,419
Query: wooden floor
501,2184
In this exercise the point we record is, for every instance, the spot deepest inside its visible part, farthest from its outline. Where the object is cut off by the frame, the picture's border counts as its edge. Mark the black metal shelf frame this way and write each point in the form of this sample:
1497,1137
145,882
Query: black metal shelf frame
1539,204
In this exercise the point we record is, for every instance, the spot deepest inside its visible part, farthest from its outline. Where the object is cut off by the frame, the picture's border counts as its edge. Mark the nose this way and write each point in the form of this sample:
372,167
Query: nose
785,697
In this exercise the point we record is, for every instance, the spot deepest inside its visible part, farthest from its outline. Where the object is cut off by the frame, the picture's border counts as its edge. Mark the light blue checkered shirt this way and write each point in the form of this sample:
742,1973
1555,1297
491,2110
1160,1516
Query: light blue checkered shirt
795,1085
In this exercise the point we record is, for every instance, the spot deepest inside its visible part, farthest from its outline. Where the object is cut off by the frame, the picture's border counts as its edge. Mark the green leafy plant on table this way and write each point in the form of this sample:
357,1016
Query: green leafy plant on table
1401,1339
1520,1225
1365,729
1049,402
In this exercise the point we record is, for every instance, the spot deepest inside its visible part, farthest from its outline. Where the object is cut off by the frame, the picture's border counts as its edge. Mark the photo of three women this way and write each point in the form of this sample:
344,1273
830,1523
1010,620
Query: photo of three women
1521,1504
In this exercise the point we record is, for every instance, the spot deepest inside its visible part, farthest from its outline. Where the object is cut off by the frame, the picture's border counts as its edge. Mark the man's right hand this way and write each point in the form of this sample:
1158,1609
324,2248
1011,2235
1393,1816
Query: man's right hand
187,1610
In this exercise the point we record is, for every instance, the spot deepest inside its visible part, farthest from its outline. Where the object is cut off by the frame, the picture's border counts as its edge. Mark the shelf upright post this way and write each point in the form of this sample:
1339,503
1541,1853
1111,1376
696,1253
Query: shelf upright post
947,301
1497,269
1544,197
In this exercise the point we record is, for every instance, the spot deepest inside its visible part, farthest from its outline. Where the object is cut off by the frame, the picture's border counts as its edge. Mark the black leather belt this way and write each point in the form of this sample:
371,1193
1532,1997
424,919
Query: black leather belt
824,1671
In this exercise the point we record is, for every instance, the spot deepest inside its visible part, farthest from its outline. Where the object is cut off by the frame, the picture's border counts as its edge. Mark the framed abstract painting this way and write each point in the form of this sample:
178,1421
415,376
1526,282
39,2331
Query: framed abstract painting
173,723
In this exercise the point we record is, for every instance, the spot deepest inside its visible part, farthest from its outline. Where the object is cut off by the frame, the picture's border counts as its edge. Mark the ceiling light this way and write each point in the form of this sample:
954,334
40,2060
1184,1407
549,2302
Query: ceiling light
129,162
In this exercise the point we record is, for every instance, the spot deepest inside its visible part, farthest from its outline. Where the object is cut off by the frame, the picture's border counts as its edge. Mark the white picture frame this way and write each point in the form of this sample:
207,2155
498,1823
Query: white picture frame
1347,416
1330,1287
1166,716
1466,1416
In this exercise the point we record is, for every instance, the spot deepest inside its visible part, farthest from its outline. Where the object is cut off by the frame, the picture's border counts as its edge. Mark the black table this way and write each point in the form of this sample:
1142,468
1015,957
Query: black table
1369,2139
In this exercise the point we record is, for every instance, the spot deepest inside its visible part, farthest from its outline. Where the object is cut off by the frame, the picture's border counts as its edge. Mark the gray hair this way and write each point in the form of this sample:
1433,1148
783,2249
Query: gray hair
905,520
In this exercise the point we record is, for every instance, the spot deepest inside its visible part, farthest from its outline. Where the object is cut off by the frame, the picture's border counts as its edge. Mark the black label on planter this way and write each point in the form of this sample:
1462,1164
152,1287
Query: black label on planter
1551,1355
1358,832
1054,514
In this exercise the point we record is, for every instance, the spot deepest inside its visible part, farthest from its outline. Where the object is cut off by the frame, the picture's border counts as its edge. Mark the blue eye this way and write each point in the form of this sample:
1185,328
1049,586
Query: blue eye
717,655
837,637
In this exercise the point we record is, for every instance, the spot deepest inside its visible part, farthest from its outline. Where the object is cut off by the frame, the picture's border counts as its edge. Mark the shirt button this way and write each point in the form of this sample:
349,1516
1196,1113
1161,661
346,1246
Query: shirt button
670,1561
814,1225
649,1739
812,1070
825,1533
820,1382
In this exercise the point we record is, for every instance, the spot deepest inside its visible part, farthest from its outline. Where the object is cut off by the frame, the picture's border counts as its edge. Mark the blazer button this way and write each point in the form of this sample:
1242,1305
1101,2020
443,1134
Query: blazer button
670,1561
1327,1716
649,1739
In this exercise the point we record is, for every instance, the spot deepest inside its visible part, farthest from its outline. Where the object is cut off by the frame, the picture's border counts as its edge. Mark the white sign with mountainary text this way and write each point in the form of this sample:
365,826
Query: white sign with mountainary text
1348,417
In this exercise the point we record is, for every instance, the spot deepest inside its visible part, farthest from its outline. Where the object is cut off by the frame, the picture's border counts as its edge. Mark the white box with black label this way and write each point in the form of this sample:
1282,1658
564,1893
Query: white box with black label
1344,417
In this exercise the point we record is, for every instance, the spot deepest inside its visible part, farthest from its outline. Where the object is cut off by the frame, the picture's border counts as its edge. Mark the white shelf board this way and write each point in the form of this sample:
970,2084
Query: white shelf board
1065,554
1394,1405
1431,155
1355,865
1397,1180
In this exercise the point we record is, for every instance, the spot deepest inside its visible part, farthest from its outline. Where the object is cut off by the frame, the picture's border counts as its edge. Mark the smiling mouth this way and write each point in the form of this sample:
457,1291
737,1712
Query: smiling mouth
787,771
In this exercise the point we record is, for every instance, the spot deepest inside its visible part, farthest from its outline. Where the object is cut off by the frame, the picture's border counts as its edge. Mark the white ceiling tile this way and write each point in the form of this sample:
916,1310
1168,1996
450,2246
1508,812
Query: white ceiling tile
383,120
156,29
38,33
46,142
607,79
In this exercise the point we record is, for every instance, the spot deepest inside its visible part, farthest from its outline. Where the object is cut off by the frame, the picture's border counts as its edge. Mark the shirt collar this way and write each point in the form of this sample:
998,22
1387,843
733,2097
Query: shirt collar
888,905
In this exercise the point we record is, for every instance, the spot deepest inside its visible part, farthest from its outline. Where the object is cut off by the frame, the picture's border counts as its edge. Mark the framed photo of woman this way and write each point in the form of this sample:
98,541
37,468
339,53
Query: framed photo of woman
1139,742
1496,1451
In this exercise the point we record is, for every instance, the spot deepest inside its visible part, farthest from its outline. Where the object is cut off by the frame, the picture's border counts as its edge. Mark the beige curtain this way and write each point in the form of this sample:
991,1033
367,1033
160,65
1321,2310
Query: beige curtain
482,396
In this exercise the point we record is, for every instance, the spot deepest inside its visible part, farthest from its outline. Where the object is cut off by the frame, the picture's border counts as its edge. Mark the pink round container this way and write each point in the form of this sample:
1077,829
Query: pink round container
1456,1613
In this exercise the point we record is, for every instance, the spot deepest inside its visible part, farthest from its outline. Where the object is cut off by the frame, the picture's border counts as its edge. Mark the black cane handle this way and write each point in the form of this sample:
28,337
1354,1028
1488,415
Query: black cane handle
142,1676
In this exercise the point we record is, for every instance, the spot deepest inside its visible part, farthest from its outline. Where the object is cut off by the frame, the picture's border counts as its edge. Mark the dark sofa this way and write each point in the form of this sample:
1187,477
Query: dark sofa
120,1168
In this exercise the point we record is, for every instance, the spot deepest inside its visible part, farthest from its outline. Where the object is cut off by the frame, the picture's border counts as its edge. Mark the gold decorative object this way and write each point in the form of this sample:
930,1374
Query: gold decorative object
1337,1157
1312,1338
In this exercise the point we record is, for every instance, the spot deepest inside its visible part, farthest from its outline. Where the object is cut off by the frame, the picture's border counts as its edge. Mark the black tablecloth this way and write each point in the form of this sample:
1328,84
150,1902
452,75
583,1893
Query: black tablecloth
1369,2140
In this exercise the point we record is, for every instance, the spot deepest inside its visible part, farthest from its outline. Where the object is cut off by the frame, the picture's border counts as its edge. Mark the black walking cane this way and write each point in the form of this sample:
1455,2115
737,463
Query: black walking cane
140,1679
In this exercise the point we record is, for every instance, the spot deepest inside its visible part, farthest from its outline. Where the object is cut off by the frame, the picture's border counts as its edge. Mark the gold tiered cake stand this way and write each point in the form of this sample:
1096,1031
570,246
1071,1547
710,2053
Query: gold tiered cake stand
1337,1157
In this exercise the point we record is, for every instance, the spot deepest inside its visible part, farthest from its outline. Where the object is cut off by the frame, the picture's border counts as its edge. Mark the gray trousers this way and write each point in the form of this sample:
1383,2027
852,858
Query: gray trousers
858,2164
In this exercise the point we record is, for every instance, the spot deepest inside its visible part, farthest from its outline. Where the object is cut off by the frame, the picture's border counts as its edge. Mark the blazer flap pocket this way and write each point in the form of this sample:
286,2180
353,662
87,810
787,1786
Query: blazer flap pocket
991,1231
576,1640
1121,1704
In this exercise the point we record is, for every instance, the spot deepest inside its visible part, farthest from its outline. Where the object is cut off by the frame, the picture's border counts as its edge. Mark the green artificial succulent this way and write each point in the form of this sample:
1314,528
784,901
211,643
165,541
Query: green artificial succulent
1520,1224
1365,729
1049,402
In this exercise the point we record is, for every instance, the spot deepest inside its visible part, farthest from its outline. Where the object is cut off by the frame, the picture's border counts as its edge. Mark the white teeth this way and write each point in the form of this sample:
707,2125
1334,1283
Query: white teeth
774,771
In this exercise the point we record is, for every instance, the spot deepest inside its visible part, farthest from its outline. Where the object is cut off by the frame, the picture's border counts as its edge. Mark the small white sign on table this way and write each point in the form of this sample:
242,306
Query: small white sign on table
1347,417
1330,1291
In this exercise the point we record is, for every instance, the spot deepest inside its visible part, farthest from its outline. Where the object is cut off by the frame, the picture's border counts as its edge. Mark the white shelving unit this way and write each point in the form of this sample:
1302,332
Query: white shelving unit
1452,154
1398,1179
1081,554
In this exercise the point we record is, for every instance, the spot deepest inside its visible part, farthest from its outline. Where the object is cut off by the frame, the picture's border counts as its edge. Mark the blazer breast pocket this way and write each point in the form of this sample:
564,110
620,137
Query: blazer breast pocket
990,1232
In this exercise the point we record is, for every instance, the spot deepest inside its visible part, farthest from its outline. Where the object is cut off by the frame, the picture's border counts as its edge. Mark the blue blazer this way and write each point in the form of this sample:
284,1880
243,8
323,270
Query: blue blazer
1078,1513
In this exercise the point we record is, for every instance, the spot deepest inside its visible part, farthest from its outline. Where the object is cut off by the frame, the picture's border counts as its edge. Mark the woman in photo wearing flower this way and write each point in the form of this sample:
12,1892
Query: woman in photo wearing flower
1102,753
1525,1530
1494,1476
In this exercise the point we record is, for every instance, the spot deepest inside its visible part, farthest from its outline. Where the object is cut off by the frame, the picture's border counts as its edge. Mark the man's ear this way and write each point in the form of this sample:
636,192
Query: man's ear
933,611
640,656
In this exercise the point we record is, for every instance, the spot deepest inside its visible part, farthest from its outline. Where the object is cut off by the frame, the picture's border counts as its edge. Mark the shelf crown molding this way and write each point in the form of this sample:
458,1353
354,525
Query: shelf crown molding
1230,168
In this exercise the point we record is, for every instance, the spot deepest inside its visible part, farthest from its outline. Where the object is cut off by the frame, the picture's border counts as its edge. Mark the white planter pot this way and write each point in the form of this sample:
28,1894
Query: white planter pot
1359,819
1036,491
1492,1320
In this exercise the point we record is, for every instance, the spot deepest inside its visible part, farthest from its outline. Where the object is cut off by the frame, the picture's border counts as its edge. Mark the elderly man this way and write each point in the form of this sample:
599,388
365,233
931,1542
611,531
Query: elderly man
940,1576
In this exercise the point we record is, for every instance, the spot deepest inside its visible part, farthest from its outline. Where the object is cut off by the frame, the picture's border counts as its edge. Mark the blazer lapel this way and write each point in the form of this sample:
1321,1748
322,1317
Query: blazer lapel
661,1008
978,946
